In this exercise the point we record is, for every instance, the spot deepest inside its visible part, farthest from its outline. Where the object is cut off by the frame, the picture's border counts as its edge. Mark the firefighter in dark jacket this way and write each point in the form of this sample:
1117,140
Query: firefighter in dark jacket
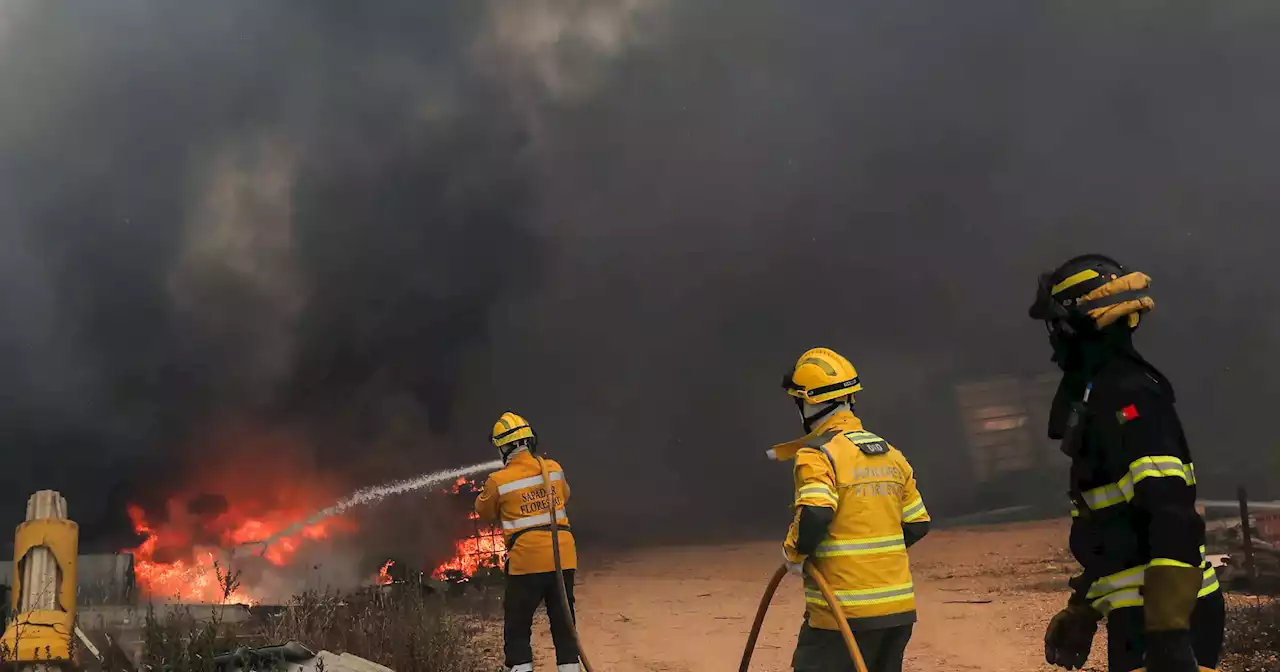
1135,530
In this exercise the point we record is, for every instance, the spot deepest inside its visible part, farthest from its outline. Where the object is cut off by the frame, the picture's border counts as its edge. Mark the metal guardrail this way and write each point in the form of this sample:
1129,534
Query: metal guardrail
1235,504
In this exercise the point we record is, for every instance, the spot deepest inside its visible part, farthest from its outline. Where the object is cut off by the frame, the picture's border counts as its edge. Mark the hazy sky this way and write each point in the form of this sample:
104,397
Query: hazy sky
383,224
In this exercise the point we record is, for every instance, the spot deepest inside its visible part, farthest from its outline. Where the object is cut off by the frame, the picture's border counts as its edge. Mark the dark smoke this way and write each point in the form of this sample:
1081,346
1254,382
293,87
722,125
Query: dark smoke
627,242
298,215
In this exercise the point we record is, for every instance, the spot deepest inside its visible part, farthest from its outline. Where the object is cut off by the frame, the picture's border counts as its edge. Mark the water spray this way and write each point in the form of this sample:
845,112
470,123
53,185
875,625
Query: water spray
374,494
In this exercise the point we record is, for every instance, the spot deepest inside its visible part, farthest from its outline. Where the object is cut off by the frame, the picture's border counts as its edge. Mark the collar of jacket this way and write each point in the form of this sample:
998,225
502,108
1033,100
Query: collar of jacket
843,420
522,455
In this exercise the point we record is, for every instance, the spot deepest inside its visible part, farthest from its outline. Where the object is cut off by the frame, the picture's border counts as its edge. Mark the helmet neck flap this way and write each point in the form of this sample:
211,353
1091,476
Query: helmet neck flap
514,448
813,415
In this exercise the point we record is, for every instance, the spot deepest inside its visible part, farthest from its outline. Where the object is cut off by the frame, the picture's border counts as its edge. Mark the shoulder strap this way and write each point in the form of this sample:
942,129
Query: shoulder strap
868,443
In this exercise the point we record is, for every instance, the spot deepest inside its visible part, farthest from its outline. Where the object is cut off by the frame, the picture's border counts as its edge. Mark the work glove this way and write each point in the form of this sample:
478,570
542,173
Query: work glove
1070,636
796,568
1169,596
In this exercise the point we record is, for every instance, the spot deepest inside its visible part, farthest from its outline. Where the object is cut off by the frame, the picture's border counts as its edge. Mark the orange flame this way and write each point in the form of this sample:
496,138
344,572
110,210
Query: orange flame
200,578
384,574
487,548
179,555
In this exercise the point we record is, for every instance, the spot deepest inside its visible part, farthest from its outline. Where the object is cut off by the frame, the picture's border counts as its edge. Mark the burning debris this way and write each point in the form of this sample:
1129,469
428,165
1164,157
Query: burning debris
224,540
198,547
198,557
483,548
201,544
384,575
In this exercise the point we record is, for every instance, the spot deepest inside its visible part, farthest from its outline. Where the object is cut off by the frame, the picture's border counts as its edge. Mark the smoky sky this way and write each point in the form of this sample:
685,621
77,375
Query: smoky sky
385,224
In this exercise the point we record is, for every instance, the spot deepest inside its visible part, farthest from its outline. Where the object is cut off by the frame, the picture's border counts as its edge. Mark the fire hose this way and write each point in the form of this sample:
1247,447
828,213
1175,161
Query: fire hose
555,554
849,642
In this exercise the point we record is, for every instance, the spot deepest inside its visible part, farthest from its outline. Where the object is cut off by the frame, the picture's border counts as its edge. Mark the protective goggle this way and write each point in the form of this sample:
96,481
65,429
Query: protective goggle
790,385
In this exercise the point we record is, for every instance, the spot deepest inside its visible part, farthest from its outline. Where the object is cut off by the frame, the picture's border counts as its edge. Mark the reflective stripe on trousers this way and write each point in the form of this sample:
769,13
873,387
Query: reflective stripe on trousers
866,596
531,521
528,482
837,547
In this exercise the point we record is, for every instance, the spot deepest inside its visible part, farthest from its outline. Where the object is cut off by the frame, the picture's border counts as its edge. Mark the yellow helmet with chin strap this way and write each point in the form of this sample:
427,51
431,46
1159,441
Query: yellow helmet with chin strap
511,428
821,374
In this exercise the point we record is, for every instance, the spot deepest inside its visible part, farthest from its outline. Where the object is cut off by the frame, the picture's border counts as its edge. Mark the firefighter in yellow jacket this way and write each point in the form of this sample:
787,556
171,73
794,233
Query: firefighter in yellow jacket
516,495
857,510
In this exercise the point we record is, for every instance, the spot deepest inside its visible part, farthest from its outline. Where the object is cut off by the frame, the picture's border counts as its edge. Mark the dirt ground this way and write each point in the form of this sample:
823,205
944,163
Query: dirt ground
984,595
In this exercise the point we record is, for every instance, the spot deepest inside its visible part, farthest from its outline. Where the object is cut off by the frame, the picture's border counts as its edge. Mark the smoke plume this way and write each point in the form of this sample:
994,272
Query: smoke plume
382,224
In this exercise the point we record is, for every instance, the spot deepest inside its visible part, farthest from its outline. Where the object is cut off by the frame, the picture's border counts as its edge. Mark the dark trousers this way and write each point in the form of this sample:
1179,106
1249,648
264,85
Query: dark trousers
1125,639
523,595
824,650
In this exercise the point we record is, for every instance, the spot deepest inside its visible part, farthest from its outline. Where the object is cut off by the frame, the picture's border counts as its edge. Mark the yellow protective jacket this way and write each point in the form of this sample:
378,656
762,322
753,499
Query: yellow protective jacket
516,495
872,489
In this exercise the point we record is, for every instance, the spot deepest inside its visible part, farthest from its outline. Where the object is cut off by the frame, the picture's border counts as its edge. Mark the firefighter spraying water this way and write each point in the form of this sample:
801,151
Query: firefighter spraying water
529,494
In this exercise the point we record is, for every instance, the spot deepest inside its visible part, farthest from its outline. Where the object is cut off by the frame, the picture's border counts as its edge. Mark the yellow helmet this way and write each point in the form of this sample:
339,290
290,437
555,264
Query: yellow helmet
820,375
510,428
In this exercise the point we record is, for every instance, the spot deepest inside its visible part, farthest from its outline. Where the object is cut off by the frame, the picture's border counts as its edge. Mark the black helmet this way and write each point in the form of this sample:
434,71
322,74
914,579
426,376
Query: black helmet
1090,292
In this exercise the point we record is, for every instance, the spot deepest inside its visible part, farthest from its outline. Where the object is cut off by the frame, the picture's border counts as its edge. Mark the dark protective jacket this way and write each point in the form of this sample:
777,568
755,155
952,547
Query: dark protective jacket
1133,485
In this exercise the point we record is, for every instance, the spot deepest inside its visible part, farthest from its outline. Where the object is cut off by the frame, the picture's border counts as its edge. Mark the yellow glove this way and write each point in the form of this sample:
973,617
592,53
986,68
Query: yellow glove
1169,595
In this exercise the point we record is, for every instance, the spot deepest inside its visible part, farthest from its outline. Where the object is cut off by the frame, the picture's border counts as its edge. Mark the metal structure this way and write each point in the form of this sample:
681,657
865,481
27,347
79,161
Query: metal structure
105,579
38,637
487,547
1012,461
483,548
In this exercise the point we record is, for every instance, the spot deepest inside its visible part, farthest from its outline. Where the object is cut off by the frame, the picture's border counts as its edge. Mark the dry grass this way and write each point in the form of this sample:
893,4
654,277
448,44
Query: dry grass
408,630
1253,635
181,642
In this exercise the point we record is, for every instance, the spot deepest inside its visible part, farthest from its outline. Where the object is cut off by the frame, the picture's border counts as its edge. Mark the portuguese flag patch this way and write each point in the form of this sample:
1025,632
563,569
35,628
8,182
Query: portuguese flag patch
1126,414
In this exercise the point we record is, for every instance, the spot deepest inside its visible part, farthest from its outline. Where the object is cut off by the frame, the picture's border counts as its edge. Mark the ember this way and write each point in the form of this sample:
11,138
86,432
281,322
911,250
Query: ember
384,575
467,486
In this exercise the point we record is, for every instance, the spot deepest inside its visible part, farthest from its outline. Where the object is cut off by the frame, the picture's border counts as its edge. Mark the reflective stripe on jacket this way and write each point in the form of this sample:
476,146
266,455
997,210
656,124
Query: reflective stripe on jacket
517,497
1124,588
873,490
1134,485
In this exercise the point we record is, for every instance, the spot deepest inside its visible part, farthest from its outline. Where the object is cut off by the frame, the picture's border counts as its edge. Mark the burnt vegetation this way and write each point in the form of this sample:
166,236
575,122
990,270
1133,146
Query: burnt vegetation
407,630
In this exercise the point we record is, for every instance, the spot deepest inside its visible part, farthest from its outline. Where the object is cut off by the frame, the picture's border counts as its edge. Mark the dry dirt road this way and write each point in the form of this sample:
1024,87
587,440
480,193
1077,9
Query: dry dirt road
985,595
